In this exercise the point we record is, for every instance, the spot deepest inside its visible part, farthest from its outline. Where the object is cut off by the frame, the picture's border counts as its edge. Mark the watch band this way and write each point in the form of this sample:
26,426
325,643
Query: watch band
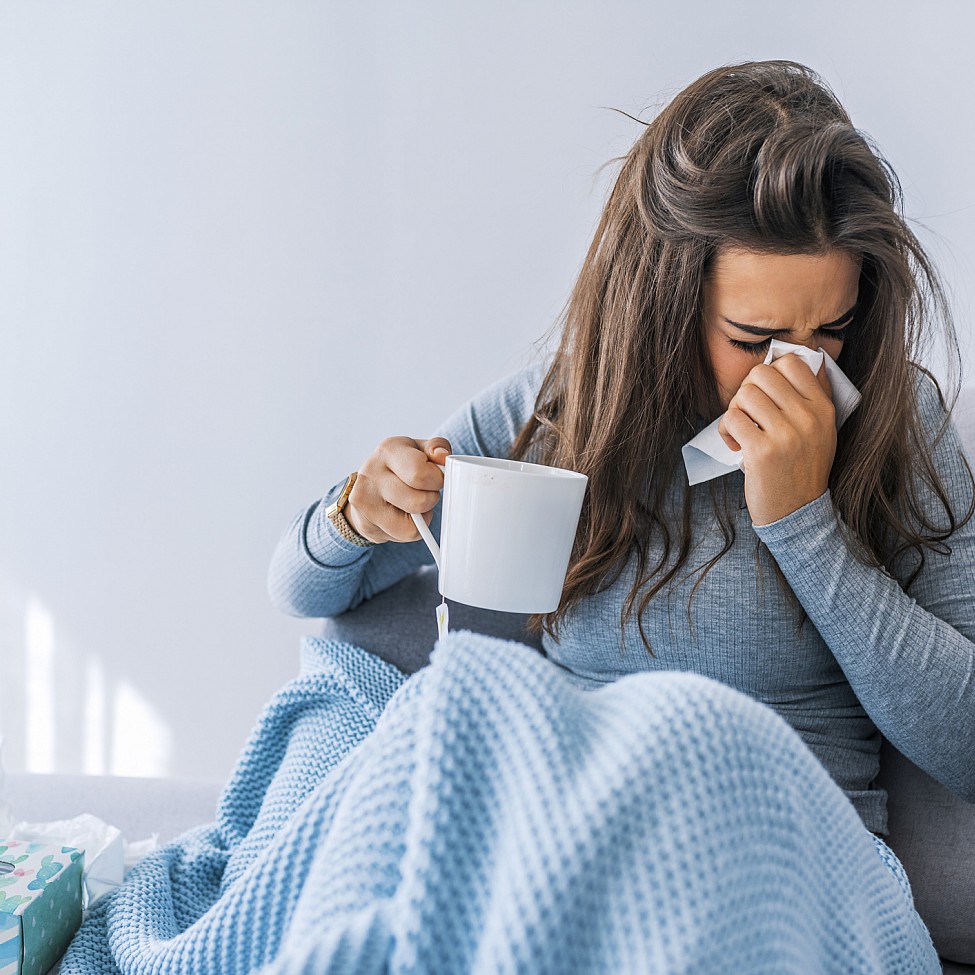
335,513
343,527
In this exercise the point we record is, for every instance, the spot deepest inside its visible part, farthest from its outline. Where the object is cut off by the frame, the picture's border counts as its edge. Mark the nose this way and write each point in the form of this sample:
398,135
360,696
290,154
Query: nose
809,340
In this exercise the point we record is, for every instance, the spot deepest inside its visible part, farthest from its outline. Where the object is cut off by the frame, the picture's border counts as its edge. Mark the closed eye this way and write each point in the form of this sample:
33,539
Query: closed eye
757,348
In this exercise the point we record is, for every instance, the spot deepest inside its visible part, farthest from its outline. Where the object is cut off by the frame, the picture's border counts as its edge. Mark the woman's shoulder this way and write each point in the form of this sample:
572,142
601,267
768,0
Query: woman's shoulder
517,389
491,420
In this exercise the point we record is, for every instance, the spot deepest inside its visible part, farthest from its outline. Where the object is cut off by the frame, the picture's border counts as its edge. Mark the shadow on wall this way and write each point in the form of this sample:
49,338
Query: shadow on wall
59,710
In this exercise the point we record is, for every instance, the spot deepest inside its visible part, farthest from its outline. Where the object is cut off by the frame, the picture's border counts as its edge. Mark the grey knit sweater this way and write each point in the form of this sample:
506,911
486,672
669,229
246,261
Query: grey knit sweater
870,659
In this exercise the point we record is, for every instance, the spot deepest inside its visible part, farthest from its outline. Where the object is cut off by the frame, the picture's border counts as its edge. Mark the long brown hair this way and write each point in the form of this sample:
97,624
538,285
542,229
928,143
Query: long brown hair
762,156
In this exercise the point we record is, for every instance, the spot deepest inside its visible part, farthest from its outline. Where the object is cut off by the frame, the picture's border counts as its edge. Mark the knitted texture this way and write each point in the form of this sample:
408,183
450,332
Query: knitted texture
489,815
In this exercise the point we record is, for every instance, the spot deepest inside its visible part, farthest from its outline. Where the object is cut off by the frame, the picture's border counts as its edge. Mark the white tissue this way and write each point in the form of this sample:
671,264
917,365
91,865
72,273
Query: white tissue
106,853
707,456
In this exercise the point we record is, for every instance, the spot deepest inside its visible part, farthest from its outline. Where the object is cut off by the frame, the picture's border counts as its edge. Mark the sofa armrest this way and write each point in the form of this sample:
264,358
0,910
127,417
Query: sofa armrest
138,807
932,831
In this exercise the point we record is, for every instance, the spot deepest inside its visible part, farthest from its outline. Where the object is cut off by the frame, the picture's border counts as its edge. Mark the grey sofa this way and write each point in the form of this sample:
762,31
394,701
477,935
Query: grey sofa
931,830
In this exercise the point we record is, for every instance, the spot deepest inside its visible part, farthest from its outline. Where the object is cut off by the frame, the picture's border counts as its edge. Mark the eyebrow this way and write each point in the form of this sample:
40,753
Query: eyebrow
755,330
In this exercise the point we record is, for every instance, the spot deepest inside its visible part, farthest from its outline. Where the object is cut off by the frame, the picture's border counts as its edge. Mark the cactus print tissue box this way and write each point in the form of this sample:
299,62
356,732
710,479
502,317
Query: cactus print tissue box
40,904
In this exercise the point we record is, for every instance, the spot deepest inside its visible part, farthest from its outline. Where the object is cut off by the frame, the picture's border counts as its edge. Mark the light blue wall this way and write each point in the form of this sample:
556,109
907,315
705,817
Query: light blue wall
240,243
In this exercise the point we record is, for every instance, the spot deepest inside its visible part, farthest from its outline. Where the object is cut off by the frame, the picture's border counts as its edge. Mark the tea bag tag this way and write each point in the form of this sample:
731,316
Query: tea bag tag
443,618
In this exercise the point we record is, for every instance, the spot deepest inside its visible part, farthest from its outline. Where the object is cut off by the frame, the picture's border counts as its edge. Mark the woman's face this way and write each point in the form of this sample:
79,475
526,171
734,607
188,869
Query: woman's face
751,298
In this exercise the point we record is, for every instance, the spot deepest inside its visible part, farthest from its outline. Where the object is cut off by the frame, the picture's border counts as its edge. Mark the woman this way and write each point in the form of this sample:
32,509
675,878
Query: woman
832,579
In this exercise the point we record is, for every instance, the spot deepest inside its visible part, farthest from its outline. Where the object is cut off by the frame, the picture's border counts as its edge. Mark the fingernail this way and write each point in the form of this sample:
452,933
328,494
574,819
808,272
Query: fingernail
440,451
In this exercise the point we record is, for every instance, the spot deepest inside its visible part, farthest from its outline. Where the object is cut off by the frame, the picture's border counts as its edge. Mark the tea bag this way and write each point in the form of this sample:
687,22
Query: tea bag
443,619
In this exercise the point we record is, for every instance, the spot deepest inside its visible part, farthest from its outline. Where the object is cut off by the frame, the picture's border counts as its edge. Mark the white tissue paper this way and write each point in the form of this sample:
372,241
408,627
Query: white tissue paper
103,846
707,456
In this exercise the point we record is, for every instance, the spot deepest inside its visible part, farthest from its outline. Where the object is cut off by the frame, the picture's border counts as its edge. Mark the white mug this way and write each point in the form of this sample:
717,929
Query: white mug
506,533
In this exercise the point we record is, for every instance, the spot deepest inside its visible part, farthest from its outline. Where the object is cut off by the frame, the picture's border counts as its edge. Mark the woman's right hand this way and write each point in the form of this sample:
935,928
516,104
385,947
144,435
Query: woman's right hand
399,477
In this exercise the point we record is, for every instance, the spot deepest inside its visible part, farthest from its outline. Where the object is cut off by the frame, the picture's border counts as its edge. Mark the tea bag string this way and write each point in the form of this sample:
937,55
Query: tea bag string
443,613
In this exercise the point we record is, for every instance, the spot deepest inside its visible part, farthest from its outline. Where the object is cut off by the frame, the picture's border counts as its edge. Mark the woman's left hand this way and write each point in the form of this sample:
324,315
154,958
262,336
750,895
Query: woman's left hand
782,419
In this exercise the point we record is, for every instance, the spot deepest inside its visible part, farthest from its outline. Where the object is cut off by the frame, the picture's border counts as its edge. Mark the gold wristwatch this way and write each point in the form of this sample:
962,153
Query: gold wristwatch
335,514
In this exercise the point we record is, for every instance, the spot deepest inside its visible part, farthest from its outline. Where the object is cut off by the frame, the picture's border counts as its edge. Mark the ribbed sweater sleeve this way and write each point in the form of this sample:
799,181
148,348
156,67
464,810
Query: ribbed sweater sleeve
908,655
315,572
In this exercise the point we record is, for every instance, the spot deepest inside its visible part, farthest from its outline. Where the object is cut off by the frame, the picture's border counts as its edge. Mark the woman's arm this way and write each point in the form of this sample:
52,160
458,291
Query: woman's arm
909,657
316,572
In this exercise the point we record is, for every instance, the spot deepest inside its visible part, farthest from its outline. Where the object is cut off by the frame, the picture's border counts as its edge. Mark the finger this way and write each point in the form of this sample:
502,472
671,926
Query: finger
796,370
773,384
795,416
815,390
729,440
437,448
757,405
409,462
400,495
379,521
373,491
740,428
399,524
364,525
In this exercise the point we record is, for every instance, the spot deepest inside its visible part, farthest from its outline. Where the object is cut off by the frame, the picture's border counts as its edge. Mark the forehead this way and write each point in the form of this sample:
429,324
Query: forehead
752,287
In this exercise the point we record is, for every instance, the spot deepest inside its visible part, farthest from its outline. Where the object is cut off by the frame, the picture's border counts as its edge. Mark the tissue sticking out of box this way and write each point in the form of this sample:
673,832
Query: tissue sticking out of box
106,853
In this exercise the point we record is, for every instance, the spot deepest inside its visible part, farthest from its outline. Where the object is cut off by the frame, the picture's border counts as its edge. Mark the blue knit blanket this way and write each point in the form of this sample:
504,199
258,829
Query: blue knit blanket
488,815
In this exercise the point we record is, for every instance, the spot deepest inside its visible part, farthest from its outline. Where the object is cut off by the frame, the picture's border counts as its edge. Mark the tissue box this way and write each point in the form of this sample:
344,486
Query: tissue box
40,904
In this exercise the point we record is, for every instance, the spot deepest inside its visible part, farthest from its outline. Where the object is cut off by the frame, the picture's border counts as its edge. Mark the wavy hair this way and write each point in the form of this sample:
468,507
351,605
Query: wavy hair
760,156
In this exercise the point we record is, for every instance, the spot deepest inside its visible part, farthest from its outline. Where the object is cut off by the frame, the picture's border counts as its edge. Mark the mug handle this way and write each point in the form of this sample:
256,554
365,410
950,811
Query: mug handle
425,533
